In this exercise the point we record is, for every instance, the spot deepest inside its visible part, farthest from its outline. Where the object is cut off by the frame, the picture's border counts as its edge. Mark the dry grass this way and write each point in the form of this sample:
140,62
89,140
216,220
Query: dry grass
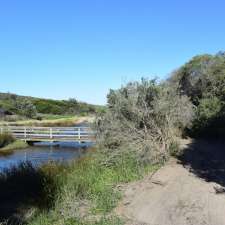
64,121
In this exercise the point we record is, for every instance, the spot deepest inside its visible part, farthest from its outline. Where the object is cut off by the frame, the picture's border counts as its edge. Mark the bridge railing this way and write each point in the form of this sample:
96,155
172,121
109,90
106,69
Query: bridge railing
51,133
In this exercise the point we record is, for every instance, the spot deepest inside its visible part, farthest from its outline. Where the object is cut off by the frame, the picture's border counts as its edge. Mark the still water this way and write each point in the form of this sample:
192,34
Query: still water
42,153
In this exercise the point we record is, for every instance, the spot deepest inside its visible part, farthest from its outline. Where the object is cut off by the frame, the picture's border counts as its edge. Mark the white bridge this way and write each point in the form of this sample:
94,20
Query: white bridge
51,134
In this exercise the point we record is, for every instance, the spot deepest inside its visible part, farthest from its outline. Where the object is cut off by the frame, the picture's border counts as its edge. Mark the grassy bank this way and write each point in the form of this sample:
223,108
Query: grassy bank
83,192
8,143
8,149
88,193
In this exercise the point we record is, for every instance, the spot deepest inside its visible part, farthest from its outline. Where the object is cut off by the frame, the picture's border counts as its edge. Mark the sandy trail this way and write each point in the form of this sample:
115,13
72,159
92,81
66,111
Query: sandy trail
174,196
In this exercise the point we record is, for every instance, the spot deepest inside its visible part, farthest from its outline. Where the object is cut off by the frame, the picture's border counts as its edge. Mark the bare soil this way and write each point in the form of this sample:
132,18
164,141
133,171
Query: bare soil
186,191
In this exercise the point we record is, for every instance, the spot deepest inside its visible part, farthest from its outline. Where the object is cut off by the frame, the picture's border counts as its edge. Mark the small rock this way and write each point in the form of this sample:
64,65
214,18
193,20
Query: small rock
219,190
127,203
158,182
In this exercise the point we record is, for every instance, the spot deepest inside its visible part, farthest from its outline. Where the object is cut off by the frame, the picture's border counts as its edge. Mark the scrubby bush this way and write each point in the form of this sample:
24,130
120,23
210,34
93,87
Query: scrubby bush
26,108
143,118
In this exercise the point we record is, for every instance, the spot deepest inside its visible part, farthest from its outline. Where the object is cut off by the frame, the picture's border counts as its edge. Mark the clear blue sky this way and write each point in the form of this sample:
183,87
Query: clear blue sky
81,48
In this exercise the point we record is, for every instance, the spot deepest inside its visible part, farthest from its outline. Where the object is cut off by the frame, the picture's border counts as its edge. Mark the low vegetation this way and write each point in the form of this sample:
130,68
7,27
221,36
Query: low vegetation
17,144
8,143
6,139
59,193
50,121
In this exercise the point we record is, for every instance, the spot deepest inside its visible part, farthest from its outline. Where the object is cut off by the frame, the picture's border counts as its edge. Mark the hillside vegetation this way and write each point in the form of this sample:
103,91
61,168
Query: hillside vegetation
30,107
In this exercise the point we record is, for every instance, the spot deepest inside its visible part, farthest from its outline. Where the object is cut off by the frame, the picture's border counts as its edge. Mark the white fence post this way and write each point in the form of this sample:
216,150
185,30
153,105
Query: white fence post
50,133
79,136
25,132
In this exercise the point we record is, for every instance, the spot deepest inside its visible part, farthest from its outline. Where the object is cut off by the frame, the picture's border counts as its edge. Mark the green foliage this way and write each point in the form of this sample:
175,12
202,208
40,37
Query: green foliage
5,139
210,118
44,219
26,108
49,106
93,180
29,106
102,221
9,148
18,105
71,106
203,80
208,108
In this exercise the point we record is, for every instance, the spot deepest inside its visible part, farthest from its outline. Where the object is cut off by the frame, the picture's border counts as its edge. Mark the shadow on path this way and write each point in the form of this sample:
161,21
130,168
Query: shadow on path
206,159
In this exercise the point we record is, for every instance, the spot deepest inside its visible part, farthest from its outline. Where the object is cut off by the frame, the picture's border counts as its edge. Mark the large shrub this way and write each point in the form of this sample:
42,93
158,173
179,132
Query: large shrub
210,118
203,80
143,118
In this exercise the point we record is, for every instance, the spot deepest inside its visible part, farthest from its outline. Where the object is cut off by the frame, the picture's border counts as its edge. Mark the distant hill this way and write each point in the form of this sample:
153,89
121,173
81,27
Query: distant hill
32,107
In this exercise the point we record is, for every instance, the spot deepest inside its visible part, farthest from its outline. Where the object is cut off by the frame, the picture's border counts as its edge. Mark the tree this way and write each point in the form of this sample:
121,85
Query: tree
203,80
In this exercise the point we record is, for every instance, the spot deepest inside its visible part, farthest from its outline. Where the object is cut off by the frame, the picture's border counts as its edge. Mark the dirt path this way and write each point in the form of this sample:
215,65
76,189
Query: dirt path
173,196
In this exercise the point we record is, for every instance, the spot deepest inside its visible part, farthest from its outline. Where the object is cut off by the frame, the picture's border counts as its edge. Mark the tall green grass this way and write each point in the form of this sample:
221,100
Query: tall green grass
90,180
44,219
57,192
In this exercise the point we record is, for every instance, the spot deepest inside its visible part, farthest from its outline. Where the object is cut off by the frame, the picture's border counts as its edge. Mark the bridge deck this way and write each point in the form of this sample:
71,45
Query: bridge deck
55,134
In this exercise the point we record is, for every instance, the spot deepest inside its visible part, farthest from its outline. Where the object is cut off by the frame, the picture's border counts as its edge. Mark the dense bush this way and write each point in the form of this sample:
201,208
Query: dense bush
49,107
210,118
143,118
203,80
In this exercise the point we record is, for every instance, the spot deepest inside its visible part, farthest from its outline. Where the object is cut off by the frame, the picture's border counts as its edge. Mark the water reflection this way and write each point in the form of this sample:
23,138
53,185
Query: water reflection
42,153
